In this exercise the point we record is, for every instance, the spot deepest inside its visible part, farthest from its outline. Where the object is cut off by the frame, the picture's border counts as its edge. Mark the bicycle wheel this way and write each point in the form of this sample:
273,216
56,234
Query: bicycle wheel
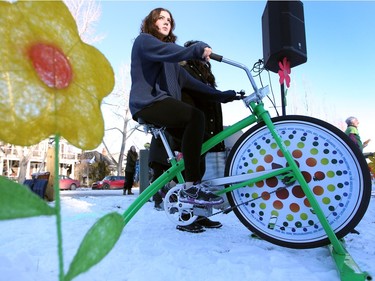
332,165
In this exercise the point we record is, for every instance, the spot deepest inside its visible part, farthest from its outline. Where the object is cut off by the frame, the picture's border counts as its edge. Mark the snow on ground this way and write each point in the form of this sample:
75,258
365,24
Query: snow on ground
150,248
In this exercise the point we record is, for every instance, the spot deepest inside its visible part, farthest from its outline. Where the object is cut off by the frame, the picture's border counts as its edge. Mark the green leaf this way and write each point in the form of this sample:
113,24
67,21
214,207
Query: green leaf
97,243
17,201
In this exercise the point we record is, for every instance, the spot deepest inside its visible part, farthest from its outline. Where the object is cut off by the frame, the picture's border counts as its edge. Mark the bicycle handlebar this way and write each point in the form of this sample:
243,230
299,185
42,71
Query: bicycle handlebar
216,57
258,94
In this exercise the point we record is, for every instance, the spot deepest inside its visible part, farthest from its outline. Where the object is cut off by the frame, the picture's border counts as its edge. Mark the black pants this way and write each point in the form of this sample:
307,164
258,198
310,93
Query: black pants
129,181
185,122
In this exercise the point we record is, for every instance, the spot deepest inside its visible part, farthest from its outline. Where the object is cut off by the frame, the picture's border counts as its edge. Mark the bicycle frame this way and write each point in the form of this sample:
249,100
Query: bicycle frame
254,102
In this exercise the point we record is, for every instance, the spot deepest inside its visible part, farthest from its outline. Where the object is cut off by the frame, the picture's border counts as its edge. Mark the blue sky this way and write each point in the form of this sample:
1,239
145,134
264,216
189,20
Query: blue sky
334,83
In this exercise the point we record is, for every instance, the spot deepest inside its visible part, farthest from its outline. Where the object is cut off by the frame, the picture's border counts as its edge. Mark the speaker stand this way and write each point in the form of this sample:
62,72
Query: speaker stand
283,99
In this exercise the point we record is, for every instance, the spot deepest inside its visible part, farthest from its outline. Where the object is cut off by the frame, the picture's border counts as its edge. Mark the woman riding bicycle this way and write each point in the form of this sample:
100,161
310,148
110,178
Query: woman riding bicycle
155,95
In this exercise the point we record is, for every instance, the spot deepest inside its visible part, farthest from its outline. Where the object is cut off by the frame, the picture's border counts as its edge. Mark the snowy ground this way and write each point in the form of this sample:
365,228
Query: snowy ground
150,247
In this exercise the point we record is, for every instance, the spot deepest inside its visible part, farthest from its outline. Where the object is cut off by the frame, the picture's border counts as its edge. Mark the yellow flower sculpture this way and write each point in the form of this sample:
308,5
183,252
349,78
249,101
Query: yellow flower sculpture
50,81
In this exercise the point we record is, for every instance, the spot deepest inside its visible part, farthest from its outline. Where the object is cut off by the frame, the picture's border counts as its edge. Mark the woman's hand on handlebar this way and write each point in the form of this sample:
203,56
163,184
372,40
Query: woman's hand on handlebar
206,54
228,96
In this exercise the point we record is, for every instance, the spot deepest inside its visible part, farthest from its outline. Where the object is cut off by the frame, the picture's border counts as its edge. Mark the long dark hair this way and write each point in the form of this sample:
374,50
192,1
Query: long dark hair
148,25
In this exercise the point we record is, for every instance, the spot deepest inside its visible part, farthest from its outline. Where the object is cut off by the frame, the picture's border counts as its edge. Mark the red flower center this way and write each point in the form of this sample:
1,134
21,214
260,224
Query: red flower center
51,65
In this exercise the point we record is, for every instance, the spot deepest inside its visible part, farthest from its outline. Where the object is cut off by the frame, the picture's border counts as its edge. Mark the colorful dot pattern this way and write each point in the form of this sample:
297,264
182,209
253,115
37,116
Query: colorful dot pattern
286,213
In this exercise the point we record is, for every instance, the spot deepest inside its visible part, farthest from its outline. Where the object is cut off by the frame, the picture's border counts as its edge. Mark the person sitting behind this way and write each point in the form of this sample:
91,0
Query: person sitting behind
201,71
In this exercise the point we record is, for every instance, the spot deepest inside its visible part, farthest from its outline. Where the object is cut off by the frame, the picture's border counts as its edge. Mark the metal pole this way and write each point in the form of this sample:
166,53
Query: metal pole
143,170
283,101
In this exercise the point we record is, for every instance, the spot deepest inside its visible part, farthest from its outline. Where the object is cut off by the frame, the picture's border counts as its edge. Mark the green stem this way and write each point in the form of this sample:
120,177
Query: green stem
56,190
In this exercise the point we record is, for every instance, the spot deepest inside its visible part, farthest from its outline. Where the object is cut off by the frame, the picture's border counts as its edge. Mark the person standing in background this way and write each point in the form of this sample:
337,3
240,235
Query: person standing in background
352,132
131,160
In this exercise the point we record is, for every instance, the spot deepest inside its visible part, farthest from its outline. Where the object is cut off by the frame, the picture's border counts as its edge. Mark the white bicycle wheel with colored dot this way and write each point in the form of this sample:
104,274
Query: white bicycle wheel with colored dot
333,167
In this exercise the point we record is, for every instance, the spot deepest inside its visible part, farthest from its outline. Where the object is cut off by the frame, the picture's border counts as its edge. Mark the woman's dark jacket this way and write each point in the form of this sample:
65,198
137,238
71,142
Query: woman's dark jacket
156,74
131,160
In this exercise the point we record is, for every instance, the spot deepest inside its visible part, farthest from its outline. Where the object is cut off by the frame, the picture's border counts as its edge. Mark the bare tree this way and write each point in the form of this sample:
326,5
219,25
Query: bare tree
86,14
118,105
307,101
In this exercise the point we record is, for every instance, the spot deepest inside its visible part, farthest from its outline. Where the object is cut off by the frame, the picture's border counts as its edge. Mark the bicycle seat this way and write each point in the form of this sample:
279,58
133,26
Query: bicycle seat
141,121
149,127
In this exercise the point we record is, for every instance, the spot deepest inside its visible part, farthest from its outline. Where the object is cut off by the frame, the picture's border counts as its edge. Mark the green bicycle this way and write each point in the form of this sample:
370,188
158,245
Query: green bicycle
294,181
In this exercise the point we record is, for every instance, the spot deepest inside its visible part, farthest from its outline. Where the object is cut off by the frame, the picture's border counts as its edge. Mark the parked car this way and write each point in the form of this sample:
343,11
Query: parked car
110,182
68,183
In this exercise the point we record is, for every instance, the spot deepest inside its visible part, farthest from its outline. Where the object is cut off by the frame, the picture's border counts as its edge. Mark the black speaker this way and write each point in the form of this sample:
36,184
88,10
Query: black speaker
283,30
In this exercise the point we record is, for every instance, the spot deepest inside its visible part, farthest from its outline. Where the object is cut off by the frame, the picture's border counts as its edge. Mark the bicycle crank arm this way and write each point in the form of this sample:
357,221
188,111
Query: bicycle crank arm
241,178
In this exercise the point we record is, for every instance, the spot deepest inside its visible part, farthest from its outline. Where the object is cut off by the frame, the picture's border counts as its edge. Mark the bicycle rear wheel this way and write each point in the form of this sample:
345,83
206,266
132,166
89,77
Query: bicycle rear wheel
334,168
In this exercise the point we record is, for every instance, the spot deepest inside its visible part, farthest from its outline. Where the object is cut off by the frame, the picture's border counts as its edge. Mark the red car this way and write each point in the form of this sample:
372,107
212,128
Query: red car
110,182
67,183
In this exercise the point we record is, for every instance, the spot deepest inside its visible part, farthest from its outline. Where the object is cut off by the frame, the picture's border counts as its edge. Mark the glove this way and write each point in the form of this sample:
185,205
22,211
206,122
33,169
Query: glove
228,96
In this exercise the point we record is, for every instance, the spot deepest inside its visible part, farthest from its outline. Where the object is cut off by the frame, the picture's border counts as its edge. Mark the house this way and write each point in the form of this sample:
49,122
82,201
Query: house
34,157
